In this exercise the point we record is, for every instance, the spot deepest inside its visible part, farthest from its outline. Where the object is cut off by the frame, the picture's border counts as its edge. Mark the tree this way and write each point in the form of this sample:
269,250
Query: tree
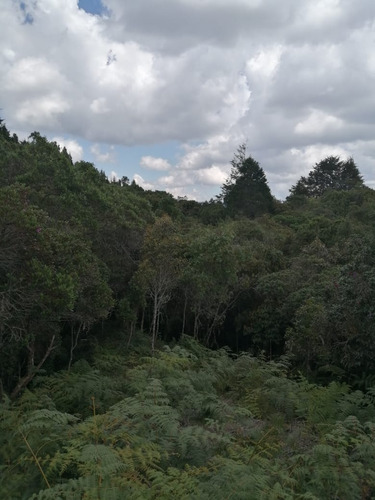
49,277
246,192
329,174
213,278
159,268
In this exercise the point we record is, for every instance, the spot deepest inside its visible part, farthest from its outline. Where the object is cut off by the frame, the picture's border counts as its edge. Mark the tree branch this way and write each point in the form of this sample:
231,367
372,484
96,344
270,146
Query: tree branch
24,381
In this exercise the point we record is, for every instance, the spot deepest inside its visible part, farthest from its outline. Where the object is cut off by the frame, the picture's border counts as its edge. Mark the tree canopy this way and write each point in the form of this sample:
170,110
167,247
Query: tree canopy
332,173
246,192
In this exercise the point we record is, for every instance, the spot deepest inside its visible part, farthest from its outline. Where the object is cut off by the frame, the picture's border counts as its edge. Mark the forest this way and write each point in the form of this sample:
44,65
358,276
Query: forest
154,347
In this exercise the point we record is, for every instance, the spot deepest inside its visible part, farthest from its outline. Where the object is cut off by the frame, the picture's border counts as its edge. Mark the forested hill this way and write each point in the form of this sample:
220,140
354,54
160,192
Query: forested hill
154,347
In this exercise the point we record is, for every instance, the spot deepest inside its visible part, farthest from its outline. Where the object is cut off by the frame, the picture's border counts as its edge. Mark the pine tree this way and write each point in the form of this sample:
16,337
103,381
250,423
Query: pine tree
246,192
329,174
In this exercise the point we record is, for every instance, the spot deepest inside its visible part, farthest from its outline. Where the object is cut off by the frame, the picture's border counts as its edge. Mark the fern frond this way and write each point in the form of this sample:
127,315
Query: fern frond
72,391
99,460
150,410
173,484
196,445
44,420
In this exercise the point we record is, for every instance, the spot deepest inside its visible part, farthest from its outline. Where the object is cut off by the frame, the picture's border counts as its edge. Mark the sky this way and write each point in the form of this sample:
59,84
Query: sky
164,91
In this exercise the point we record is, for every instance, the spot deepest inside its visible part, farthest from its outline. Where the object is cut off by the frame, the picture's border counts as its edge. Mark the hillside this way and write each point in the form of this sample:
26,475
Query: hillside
154,347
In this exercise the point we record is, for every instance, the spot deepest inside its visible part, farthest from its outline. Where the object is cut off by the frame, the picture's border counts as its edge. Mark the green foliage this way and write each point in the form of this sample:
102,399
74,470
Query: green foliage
246,192
76,248
329,174
187,423
89,268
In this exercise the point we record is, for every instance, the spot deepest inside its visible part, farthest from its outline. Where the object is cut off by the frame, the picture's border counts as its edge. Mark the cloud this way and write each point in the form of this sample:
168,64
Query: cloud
72,146
213,176
100,157
154,163
309,156
217,149
141,182
124,102
113,176
99,106
41,111
204,74
29,74
318,123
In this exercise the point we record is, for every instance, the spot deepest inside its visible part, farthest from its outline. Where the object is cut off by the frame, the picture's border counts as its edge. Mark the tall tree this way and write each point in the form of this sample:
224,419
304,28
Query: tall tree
246,192
212,277
159,269
49,277
329,174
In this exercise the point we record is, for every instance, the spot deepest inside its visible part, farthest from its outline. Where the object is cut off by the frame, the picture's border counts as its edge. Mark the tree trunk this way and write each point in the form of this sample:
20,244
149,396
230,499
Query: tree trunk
32,370
73,343
196,326
131,332
142,319
154,323
184,316
1,391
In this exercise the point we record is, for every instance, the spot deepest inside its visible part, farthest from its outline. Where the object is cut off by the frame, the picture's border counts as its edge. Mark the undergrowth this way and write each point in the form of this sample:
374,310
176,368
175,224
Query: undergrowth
187,423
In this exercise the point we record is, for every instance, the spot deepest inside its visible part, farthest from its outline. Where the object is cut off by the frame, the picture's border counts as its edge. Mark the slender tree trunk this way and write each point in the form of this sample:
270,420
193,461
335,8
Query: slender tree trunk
31,358
158,322
73,343
142,319
32,370
132,325
215,323
184,316
154,323
196,326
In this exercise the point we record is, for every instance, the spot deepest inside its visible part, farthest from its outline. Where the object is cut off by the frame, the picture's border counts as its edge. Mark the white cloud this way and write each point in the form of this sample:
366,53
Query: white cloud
42,111
31,74
113,176
213,176
218,148
154,163
320,13
264,63
72,146
100,157
99,106
307,157
8,55
141,182
318,123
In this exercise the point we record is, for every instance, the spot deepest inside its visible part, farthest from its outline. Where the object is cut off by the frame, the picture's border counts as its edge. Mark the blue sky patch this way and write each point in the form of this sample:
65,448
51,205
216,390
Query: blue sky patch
93,7
28,18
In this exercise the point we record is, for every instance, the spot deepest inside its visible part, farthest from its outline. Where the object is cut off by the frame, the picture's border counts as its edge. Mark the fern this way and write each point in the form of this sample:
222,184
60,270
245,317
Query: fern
196,445
187,423
109,363
40,420
317,404
99,460
72,391
150,413
360,404
232,479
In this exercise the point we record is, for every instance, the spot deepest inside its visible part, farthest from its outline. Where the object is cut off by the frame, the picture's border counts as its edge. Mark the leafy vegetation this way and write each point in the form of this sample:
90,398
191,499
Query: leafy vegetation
332,173
188,422
153,347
